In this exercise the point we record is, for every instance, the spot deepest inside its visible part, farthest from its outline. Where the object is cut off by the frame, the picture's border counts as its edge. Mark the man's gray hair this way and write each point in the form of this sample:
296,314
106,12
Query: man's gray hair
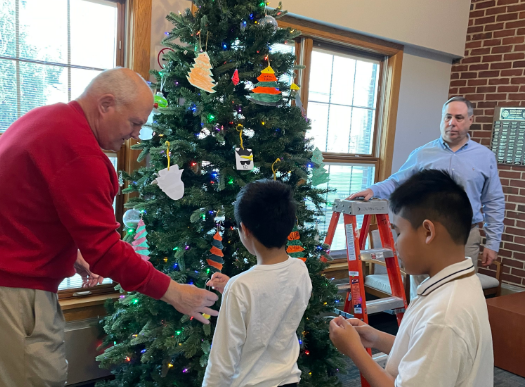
470,108
123,84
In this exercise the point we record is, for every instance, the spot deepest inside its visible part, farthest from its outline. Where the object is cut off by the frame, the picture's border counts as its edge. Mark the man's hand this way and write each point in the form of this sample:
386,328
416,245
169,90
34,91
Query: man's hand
367,193
218,281
89,279
191,300
345,337
489,256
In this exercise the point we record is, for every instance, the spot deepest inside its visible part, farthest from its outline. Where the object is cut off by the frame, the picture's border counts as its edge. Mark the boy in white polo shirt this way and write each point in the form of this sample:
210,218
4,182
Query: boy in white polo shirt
444,339
255,342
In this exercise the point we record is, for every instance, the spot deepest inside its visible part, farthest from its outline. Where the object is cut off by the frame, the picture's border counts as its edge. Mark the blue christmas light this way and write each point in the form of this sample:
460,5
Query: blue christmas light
214,174
300,342
176,266
224,46
251,16
191,282
143,351
210,212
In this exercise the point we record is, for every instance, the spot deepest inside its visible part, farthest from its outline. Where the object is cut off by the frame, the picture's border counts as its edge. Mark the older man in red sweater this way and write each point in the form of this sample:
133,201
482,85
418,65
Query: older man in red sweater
56,196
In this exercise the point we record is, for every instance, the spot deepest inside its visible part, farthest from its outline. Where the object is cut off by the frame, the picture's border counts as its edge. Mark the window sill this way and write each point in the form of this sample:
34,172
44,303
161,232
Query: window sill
85,308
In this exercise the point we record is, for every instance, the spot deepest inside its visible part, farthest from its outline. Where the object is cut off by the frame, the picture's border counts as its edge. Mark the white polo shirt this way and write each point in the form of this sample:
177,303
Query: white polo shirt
445,339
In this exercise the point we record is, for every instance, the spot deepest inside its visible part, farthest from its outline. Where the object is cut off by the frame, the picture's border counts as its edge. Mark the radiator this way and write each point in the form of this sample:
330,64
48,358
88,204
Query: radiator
82,340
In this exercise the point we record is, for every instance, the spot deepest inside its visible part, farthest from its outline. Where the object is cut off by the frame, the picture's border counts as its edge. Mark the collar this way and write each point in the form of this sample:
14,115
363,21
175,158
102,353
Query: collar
446,146
448,274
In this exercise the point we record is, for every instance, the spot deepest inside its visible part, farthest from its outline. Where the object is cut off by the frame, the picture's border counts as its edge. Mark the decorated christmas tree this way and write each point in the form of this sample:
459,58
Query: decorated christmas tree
149,343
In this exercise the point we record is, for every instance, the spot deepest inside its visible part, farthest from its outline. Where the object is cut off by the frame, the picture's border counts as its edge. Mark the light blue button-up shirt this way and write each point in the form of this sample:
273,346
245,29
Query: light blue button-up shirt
473,166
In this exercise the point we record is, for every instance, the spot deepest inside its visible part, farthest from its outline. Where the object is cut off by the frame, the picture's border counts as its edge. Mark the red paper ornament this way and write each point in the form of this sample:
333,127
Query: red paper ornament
235,78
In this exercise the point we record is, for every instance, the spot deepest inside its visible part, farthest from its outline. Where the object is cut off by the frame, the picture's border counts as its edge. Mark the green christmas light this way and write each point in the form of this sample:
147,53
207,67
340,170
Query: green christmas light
178,333
135,300
207,271
176,248
230,181
211,117
131,231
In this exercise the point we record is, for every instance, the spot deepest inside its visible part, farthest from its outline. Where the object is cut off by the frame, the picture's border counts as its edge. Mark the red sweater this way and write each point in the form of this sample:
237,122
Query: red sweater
56,195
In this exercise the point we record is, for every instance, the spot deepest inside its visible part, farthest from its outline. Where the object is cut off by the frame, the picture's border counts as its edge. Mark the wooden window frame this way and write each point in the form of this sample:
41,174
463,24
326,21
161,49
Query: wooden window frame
388,85
77,293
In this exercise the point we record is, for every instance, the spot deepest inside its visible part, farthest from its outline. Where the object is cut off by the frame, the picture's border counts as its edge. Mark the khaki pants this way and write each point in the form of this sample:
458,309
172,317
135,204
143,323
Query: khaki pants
472,249
32,349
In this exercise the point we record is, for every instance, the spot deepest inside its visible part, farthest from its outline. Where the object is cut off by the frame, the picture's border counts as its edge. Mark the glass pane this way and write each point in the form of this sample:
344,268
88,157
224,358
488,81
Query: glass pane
343,79
75,282
346,178
80,79
43,30
346,85
318,114
320,76
7,28
41,85
339,128
96,48
8,104
361,134
366,84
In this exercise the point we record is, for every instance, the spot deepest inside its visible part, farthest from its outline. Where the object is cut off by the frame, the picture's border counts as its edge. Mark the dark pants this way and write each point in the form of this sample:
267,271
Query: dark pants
290,385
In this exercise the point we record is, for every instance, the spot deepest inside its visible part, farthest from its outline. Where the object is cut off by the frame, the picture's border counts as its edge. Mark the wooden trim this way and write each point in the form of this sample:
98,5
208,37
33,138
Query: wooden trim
82,309
140,36
330,34
193,8
99,290
389,114
121,33
307,45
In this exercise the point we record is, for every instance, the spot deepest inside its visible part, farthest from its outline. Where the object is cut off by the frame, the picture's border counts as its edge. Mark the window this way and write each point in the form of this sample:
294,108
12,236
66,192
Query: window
343,96
49,52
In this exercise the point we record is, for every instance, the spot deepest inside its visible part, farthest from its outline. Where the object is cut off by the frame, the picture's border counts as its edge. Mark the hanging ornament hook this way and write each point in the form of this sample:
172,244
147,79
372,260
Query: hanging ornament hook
168,153
273,170
240,134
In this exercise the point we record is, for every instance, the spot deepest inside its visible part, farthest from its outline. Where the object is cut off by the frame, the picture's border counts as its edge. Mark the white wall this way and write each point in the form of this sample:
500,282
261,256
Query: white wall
439,25
424,88
159,24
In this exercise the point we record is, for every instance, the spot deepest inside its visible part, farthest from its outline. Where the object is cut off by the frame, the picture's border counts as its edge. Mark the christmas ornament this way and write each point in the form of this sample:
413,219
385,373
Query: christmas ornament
273,168
131,218
200,74
268,21
243,157
325,253
319,174
294,247
235,78
266,91
140,244
215,259
159,101
170,180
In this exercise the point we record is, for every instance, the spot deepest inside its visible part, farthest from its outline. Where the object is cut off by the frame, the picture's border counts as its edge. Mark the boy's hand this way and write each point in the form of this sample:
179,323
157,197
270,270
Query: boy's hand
369,336
218,281
345,337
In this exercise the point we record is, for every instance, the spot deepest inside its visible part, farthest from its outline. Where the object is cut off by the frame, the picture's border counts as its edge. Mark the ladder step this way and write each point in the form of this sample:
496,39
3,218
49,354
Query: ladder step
360,207
376,254
380,358
383,304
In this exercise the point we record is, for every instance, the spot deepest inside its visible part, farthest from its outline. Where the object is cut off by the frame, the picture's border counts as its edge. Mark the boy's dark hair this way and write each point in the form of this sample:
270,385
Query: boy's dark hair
434,195
267,209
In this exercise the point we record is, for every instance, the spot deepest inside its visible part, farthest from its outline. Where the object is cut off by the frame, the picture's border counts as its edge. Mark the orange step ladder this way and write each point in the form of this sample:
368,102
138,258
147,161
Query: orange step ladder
356,305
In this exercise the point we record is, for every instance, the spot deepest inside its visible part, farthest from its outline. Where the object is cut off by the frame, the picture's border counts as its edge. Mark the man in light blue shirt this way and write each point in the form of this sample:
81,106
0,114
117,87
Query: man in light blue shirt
472,165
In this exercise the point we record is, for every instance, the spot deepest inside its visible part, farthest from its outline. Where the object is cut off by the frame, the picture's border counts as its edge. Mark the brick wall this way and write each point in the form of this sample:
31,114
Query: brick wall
490,74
